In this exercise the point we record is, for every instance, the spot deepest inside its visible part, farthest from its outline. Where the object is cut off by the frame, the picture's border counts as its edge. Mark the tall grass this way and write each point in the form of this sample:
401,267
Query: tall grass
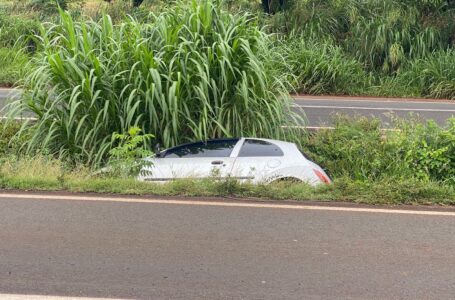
15,30
433,77
319,67
381,34
12,62
193,72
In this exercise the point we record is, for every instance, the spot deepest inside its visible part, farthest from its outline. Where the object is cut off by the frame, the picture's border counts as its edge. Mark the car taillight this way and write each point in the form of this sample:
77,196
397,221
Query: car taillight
322,176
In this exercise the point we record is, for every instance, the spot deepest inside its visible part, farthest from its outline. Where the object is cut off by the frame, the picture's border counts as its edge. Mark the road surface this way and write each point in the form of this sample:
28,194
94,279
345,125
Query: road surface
320,109
66,245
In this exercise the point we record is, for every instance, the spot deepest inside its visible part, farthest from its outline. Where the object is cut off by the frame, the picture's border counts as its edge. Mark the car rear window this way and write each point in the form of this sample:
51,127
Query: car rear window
258,148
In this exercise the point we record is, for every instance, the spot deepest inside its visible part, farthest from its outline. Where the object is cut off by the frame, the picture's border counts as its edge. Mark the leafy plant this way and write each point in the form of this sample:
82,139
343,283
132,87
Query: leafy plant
15,31
49,5
358,148
430,150
126,159
193,72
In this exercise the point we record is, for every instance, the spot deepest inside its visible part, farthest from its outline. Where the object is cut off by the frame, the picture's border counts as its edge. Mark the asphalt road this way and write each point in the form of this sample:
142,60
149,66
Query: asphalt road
319,111
133,248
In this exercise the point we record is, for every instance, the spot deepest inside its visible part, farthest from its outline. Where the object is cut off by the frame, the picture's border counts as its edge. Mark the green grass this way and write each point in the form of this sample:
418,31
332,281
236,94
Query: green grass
388,47
13,62
193,72
44,174
376,48
320,67
414,165
359,149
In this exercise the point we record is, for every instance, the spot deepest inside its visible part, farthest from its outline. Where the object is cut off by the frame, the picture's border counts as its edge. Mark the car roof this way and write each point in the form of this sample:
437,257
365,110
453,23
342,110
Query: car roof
202,141
278,142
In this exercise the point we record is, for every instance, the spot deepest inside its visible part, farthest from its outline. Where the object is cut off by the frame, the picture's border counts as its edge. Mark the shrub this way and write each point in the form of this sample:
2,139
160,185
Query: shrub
48,8
194,72
430,150
49,5
360,150
321,67
126,159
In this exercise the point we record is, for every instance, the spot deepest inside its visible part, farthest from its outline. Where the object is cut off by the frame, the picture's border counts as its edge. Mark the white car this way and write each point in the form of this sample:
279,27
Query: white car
246,159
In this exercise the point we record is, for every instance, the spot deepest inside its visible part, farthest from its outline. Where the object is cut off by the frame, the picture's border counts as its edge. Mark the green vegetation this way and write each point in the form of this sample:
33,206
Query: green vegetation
321,67
191,73
108,80
15,46
384,45
412,166
13,63
48,175
386,39
360,150
9,144
126,159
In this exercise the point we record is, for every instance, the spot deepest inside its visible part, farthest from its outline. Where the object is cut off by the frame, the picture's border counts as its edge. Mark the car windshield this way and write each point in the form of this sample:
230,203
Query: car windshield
211,148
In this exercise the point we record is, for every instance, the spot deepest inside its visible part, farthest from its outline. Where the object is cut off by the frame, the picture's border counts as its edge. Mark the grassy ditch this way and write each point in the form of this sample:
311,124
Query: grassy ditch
44,174
413,165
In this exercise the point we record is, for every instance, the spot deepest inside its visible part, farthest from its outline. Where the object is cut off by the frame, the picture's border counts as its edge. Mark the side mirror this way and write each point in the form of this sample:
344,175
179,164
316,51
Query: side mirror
157,150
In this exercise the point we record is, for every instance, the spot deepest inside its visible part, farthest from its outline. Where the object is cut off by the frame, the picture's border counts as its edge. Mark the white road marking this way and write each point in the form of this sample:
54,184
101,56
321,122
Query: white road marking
40,297
375,100
331,128
20,118
227,204
374,108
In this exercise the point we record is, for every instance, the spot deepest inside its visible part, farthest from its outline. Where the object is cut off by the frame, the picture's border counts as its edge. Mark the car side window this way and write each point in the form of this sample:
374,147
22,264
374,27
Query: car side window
214,148
258,148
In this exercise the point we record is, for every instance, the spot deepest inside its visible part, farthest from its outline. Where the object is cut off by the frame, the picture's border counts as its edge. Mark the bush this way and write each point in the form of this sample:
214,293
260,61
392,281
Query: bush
49,5
127,158
360,150
194,72
430,150
47,8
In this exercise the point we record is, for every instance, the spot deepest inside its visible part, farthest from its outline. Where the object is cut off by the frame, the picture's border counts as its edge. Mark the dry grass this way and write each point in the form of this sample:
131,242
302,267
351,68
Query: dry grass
92,7
42,173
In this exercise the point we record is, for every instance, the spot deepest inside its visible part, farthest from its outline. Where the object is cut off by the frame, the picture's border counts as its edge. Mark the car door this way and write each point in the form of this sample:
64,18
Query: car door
196,160
256,160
